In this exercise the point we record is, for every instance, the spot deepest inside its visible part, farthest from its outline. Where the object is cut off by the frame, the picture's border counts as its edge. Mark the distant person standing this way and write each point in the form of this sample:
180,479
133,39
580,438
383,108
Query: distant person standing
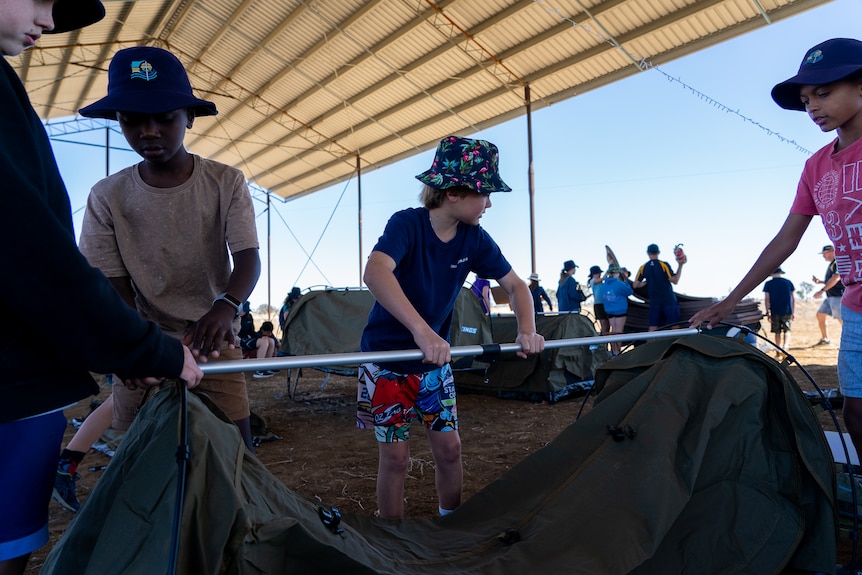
615,297
482,289
539,294
246,322
833,289
569,294
596,283
780,303
291,298
658,276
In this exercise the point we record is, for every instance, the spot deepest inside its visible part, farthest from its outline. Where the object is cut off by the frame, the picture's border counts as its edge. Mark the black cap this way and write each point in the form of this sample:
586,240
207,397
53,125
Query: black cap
74,14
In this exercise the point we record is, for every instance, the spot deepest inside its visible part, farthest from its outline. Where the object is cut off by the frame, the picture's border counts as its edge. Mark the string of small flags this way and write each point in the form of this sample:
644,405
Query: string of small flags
644,64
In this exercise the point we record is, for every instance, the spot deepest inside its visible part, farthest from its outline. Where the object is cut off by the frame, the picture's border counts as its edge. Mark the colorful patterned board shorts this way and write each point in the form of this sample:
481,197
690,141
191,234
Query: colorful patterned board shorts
390,402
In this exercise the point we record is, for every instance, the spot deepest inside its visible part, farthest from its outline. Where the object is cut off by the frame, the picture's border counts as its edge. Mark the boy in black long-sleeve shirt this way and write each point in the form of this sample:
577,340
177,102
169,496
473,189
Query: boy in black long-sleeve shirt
44,266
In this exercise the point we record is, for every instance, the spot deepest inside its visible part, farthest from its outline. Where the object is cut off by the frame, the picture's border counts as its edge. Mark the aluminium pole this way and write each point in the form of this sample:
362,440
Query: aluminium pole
532,178
328,359
359,212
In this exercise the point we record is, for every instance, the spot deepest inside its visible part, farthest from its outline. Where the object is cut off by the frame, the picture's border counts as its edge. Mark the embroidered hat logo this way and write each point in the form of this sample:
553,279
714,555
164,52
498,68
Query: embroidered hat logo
814,57
143,70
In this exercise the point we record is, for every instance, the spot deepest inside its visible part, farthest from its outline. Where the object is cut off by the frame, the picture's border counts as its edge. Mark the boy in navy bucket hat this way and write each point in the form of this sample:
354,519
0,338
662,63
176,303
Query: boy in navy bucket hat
828,86
164,232
36,222
147,80
415,272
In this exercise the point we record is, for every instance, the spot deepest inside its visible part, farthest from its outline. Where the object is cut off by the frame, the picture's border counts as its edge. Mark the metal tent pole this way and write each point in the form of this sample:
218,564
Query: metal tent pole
324,360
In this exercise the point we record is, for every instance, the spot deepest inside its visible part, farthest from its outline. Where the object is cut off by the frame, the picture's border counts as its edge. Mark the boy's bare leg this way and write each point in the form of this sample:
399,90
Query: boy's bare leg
265,347
391,472
821,323
449,473
604,327
93,427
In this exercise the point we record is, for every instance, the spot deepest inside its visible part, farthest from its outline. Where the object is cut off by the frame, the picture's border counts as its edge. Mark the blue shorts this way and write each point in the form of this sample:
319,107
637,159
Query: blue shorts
850,354
390,402
831,306
31,448
661,315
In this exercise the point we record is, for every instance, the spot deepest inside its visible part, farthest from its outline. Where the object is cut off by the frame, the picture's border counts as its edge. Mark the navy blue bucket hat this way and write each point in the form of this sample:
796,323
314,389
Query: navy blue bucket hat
825,63
71,15
147,80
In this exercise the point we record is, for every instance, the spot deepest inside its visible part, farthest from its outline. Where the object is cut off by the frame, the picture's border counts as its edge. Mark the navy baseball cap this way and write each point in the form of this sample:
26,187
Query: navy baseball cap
147,80
825,63
71,15
652,249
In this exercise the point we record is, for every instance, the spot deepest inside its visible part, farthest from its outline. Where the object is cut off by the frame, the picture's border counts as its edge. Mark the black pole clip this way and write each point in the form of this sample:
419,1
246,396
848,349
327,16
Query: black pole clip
331,519
489,352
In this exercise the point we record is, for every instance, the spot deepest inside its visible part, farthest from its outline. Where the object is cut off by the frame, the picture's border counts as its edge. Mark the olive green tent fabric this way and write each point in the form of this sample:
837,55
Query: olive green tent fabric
470,326
332,320
699,456
550,376
327,321
753,474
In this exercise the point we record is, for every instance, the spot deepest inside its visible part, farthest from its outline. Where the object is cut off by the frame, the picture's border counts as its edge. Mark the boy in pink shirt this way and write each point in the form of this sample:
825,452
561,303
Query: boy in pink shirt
829,87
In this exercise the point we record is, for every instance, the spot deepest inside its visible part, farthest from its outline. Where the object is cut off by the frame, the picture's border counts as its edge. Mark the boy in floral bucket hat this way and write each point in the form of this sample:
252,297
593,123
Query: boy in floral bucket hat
828,86
465,162
415,272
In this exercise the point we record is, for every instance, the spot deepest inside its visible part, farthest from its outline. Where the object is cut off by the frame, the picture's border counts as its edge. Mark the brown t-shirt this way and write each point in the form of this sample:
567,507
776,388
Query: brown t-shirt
174,243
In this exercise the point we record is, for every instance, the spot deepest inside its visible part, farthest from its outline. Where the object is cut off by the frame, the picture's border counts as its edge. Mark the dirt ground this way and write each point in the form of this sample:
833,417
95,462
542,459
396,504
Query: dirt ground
322,455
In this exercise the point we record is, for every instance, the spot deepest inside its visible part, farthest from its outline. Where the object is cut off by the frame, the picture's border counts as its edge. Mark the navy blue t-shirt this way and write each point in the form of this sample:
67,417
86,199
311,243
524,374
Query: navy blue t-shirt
780,291
657,275
431,274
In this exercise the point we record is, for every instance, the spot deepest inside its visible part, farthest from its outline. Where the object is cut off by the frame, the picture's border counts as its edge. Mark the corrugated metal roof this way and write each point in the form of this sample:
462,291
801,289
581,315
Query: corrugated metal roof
303,87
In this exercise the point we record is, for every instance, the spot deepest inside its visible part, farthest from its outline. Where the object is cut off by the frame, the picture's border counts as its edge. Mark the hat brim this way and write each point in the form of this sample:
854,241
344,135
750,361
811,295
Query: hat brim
432,178
786,94
146,102
71,15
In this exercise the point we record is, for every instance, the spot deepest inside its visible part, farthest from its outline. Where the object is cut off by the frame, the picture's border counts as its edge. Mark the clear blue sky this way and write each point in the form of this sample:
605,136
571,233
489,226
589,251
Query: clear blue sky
645,160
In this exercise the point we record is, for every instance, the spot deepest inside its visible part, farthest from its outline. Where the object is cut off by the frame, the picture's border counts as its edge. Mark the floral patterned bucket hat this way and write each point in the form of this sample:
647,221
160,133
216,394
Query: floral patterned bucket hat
465,162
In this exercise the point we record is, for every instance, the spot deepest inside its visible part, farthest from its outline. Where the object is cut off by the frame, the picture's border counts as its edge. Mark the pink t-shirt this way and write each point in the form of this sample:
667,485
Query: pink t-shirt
831,186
